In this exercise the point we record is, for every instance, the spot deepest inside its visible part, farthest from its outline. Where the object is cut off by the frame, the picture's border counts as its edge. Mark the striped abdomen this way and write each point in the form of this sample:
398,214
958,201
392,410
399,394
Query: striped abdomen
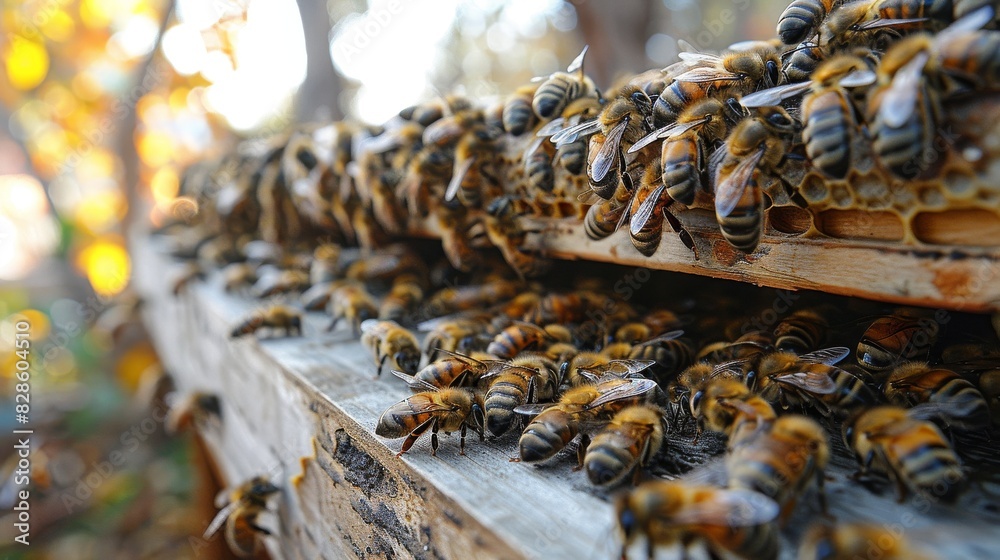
923,460
827,132
682,165
547,434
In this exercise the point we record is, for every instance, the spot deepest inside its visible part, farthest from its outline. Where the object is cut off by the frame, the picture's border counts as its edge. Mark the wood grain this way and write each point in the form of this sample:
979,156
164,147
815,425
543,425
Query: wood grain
303,411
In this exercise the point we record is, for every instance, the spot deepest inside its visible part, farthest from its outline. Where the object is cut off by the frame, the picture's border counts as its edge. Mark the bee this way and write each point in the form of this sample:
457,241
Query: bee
195,409
351,302
237,275
801,18
556,425
241,510
463,298
325,265
449,130
280,282
912,452
780,459
756,146
847,541
605,217
389,341
455,236
454,370
518,115
427,174
712,404
561,88
538,166
454,334
744,348
786,379
799,63
570,307
800,332
957,401
403,298
735,73
831,120
367,230
523,380
670,353
727,521
274,317
905,108
517,338
685,143
896,338
474,159
571,154
504,230
623,121
632,437
860,23
431,111
445,410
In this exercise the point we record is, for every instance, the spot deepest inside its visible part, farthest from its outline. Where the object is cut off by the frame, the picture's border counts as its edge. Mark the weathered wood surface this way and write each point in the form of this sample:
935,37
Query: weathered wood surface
303,410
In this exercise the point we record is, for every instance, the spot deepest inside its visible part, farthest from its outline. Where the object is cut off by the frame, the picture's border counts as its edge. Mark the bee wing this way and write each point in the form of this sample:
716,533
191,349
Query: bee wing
971,21
505,368
899,101
729,508
729,192
617,368
667,132
774,96
589,197
577,63
219,519
368,324
646,209
703,74
662,338
932,410
532,409
463,357
858,78
732,366
633,388
608,154
888,22
414,382
380,144
828,356
573,133
461,170
692,56
810,381
649,139
552,127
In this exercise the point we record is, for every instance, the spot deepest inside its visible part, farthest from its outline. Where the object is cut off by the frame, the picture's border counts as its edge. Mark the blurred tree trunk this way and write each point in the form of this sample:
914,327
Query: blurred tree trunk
617,33
318,96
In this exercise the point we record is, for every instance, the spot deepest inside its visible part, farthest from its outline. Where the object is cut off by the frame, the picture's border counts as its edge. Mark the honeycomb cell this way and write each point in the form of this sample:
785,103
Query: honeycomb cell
975,228
860,224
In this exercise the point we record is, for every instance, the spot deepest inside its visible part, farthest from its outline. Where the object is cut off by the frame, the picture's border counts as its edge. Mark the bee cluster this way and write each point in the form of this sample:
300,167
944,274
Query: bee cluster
846,109
624,383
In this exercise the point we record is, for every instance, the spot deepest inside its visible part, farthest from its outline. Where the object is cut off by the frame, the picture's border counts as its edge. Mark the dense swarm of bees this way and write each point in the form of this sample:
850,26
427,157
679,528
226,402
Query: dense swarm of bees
846,108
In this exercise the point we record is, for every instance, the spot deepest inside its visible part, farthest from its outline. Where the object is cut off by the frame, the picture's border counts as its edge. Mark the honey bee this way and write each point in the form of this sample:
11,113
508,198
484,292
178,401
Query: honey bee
863,22
744,348
517,338
518,115
799,63
538,166
458,334
455,235
605,217
561,88
351,302
956,400
786,379
712,404
196,409
800,332
506,232
632,437
912,452
462,298
905,110
389,341
280,282
847,541
831,120
555,426
454,370
670,353
733,74
237,275
523,380
448,131
431,111
571,154
241,510
756,146
384,265
780,459
445,410
896,338
325,265
474,158
727,521
801,18
403,298
367,230
427,175
274,317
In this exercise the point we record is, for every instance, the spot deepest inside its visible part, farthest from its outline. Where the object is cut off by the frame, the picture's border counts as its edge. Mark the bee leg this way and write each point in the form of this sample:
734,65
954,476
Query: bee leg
461,441
434,439
381,363
333,324
581,451
682,233
414,435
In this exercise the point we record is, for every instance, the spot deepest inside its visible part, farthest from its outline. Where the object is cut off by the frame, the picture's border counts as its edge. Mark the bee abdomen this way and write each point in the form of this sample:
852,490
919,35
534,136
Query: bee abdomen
798,19
967,407
827,138
543,438
500,401
742,229
929,464
607,462
681,171
517,116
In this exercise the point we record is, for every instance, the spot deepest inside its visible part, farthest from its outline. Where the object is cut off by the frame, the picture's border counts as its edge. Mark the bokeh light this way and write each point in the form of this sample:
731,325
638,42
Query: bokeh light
106,265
